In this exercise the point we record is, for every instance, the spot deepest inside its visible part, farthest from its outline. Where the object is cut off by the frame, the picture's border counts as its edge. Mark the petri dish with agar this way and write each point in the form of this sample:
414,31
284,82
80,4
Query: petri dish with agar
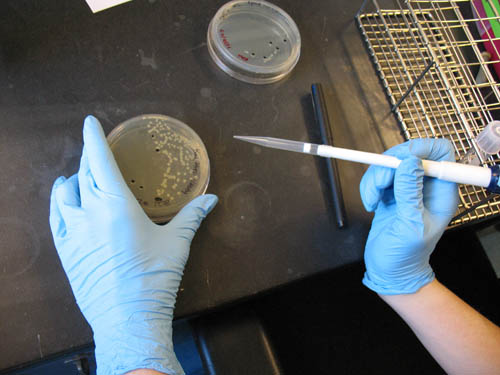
163,161
254,41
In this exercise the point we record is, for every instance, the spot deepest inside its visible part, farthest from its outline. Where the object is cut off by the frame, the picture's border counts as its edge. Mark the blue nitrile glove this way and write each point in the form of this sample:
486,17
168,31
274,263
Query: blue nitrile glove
411,214
124,269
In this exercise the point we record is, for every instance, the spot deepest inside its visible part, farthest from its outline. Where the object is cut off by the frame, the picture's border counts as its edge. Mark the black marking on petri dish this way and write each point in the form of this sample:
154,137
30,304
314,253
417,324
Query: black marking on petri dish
196,167
158,199
188,188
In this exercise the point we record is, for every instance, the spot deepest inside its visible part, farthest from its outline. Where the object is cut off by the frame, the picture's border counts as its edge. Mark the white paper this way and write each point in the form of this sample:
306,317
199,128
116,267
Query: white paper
98,5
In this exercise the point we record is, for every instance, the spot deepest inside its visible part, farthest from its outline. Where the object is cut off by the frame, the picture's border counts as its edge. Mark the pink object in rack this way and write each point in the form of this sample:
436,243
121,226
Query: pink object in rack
491,43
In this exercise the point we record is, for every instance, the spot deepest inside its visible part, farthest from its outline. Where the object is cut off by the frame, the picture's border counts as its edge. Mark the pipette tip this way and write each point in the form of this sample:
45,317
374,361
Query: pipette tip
248,138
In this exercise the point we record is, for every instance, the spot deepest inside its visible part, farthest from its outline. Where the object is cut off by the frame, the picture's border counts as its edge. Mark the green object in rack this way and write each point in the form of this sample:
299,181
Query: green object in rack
491,13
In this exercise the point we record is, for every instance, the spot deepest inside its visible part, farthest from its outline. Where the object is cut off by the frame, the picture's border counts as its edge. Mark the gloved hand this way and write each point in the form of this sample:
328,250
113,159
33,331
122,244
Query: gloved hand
411,214
124,270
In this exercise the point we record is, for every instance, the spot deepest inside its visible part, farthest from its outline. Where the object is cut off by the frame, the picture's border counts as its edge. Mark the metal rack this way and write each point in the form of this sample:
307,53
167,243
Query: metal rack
438,78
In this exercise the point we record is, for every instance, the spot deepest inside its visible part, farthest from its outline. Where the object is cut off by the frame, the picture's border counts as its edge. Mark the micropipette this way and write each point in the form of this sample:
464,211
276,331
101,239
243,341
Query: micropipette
487,177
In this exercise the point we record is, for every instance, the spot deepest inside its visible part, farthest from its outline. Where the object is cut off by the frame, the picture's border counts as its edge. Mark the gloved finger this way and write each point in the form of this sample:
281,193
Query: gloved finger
376,179
441,198
408,190
185,224
68,200
432,149
57,225
86,184
373,184
69,192
107,175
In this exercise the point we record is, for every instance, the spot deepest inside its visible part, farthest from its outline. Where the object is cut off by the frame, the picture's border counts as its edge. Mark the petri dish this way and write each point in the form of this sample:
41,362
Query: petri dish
163,161
254,41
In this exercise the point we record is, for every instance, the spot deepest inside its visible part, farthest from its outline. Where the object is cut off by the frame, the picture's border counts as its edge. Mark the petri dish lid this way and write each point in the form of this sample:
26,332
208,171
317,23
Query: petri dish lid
163,161
254,41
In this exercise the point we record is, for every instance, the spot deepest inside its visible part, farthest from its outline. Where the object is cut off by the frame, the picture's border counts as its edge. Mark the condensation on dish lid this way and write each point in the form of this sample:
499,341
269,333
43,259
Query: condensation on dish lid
254,41
163,161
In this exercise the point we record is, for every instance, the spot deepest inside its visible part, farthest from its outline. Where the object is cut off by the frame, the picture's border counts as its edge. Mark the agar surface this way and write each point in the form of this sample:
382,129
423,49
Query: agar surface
181,158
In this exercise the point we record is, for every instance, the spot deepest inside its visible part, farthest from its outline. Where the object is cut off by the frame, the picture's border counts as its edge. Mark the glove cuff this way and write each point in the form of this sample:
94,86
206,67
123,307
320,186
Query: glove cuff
404,287
142,342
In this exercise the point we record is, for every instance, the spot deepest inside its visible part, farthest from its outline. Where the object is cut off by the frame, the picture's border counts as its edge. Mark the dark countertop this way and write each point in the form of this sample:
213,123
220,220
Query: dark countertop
273,224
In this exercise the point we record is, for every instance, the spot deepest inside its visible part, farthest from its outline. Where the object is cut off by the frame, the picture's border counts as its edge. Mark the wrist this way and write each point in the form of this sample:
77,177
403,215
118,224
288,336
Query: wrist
386,284
406,298
144,371
143,341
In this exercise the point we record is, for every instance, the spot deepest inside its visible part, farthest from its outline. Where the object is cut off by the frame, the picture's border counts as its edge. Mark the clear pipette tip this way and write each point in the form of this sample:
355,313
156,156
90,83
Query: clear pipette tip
278,143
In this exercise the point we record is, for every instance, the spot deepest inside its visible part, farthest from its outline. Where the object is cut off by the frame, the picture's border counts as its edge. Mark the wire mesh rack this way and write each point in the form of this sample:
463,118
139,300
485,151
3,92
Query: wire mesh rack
439,63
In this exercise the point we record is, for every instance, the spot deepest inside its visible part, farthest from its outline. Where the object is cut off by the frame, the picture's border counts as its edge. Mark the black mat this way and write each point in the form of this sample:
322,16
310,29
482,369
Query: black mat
334,325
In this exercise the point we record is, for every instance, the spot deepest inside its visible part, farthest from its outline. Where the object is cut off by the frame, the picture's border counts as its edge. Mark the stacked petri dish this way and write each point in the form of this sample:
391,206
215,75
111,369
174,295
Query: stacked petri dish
254,41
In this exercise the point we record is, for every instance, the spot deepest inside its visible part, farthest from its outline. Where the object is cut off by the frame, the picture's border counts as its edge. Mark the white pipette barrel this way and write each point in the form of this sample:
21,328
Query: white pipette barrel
444,170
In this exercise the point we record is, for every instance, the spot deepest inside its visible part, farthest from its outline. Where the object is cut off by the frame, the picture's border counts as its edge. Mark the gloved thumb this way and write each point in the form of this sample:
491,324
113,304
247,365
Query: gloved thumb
408,191
185,224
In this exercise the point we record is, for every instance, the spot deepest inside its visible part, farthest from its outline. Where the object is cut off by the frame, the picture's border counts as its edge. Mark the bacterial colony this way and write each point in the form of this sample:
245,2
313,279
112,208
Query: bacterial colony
179,159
